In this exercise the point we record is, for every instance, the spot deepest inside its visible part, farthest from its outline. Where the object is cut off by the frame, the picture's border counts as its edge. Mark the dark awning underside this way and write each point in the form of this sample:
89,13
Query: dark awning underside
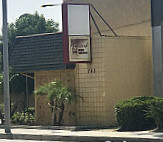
38,53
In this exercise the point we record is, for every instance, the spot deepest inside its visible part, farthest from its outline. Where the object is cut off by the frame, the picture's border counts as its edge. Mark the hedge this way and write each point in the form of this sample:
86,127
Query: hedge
132,114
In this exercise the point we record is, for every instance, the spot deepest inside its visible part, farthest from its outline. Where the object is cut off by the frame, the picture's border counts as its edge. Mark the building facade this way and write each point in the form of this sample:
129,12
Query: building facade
121,65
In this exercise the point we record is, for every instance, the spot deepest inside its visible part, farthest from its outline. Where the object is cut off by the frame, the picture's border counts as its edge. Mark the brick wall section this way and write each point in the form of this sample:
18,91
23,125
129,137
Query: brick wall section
123,69
91,86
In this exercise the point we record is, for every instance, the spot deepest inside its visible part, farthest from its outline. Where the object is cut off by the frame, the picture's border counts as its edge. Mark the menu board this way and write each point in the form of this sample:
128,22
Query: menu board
79,48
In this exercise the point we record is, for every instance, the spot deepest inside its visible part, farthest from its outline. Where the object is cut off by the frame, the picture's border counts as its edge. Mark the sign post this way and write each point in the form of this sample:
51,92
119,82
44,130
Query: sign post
76,33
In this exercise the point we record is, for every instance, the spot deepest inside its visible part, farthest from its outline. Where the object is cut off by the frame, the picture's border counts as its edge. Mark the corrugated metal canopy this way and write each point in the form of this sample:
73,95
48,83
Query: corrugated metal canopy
37,53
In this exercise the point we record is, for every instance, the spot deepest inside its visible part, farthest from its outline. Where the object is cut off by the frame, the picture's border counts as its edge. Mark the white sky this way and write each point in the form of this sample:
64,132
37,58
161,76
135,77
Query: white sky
19,7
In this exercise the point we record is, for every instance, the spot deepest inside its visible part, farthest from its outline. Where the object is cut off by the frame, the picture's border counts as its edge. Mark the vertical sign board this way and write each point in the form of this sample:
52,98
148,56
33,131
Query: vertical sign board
76,33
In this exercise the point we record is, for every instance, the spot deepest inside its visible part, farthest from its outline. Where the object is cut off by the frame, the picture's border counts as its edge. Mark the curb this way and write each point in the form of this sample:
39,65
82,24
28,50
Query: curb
72,128
74,138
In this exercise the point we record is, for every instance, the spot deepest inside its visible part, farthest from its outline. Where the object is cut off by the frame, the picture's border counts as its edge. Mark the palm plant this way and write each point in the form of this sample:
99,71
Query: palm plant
58,96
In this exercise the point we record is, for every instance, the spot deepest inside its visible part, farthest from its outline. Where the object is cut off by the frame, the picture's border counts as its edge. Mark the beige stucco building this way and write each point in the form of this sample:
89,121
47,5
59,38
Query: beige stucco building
121,65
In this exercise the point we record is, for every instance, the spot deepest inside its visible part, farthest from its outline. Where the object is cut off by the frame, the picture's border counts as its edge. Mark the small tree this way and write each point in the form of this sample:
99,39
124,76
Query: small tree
58,96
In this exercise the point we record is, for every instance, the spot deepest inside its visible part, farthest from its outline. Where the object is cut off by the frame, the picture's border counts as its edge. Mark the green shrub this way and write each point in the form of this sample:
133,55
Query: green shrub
30,110
24,117
131,113
156,112
58,96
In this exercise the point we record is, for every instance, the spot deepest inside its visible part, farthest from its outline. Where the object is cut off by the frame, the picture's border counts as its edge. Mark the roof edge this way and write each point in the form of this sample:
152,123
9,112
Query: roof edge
34,35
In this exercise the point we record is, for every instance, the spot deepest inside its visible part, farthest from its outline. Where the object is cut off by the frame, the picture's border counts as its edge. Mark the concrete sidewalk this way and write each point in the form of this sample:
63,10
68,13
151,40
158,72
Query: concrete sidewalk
63,133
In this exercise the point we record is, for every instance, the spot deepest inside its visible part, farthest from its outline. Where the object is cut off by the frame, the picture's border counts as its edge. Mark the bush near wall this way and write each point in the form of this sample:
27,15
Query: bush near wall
26,117
156,112
132,114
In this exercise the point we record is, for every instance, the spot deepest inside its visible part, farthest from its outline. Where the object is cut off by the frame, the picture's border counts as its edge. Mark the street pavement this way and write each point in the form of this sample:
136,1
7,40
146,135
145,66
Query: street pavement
6,140
74,134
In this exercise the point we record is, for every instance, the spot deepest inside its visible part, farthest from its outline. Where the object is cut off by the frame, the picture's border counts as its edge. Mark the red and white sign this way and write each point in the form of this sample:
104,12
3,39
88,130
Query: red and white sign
76,33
